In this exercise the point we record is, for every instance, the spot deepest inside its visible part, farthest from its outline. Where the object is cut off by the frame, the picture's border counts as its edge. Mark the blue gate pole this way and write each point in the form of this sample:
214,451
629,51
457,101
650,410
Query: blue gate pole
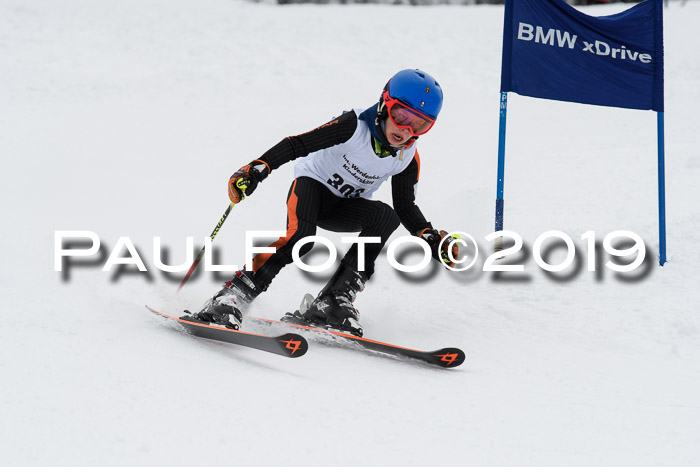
662,190
498,246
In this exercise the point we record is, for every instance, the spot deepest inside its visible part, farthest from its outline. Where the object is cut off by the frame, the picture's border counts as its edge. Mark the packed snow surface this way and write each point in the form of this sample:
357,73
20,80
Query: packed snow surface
127,118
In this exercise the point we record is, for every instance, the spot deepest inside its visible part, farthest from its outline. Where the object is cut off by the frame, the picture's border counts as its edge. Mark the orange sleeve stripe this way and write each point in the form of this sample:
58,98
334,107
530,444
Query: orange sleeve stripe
317,128
417,158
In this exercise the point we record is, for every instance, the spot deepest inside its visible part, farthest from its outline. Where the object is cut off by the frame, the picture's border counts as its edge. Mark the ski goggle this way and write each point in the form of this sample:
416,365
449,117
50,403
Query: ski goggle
405,117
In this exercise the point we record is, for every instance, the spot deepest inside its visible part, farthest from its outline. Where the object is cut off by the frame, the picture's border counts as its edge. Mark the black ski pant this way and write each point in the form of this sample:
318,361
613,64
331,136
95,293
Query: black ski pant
310,204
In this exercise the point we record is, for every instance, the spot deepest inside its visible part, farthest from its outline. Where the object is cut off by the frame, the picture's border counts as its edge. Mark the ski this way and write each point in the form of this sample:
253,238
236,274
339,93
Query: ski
287,345
449,357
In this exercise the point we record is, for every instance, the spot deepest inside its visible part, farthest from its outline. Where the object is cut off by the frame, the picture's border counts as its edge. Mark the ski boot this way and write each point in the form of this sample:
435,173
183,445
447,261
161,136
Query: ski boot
225,307
333,308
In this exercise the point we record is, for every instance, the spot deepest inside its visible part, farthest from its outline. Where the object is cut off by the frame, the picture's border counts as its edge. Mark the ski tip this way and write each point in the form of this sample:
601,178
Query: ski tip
449,357
150,308
293,345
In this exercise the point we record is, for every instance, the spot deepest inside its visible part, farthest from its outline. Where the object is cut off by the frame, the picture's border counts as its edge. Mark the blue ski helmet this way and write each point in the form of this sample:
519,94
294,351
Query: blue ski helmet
417,89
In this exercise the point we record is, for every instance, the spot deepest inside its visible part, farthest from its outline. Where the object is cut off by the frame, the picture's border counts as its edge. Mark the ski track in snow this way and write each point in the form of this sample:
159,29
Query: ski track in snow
127,119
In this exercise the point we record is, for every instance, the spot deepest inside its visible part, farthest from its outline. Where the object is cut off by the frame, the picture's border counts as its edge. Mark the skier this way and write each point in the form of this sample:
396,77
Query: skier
342,163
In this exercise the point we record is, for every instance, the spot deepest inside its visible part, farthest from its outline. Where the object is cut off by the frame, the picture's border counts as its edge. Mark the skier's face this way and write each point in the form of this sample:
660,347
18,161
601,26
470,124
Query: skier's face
396,136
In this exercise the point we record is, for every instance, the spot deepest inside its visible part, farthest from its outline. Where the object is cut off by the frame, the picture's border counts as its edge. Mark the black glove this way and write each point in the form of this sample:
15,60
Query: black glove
434,237
246,179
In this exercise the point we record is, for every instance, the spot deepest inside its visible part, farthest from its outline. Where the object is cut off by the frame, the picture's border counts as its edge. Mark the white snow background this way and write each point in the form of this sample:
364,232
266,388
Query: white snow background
127,118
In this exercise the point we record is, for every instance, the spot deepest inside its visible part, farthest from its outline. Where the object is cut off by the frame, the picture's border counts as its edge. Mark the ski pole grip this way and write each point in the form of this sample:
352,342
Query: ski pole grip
242,185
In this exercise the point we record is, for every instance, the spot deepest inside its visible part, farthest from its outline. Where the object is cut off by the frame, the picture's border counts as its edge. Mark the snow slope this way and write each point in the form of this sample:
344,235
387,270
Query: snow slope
127,118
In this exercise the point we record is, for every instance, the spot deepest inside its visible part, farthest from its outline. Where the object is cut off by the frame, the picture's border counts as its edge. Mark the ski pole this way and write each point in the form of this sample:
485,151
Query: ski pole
201,253
242,185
